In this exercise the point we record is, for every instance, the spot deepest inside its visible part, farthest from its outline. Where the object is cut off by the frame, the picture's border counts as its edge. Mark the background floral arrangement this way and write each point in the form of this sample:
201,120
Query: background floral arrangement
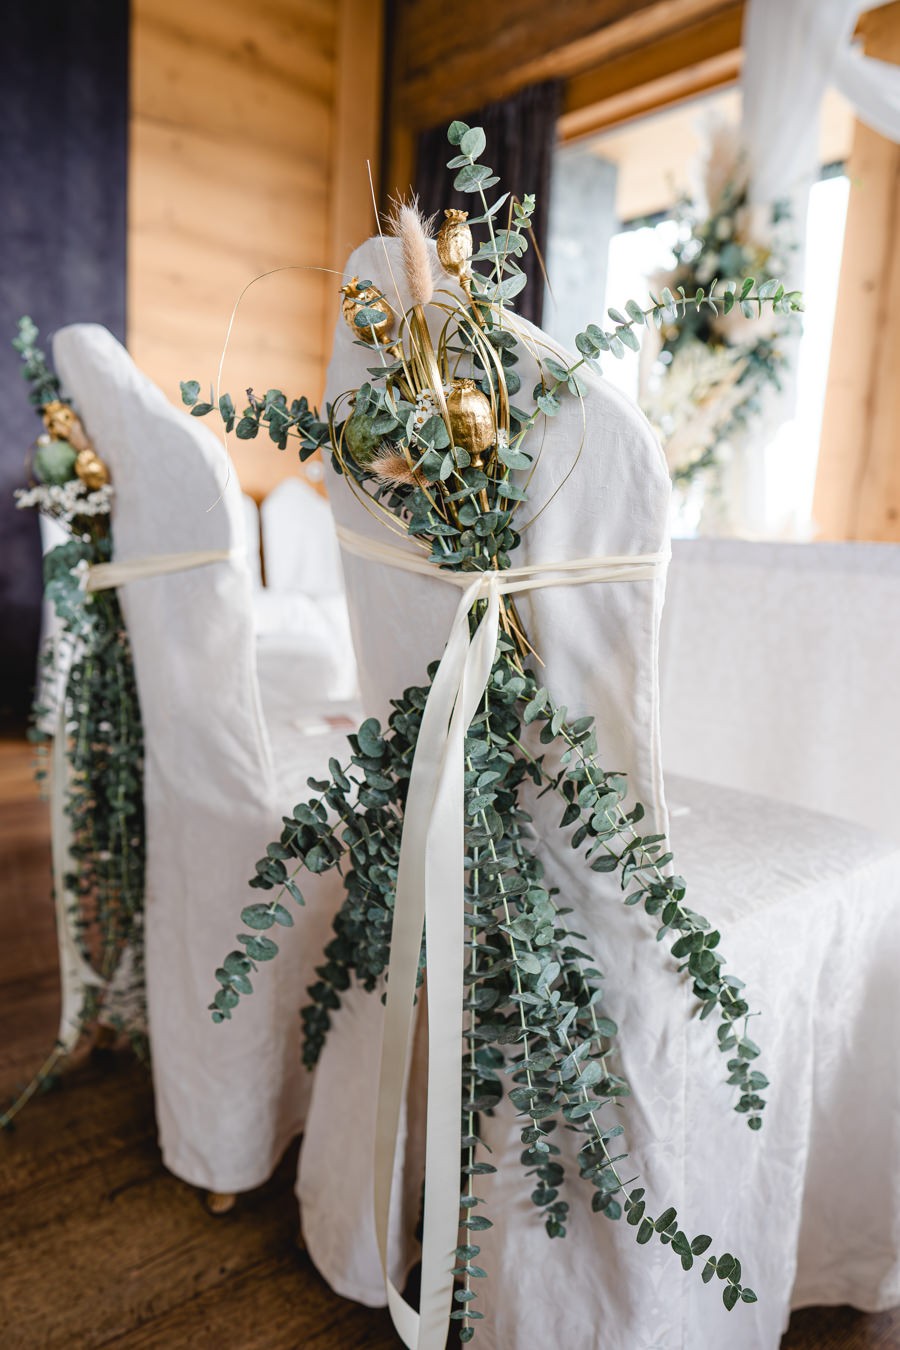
434,446
87,694
705,376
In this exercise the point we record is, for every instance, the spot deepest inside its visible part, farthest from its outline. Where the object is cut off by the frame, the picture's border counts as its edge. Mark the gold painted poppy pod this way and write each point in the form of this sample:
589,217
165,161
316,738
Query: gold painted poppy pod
454,242
63,424
91,469
471,419
358,297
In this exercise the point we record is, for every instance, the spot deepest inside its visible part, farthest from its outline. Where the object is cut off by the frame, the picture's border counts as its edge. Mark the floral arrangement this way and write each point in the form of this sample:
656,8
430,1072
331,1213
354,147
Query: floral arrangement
87,695
434,445
712,369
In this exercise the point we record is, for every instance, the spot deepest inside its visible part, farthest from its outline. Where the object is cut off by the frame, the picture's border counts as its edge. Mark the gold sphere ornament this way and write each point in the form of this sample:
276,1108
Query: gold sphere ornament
64,424
358,297
91,470
471,419
454,242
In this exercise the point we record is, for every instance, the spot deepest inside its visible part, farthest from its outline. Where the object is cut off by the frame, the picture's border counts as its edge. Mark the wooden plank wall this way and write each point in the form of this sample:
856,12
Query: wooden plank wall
248,150
858,482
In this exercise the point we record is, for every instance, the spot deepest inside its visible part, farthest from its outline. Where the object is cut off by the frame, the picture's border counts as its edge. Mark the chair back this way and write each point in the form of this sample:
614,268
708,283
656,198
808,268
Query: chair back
191,632
252,540
300,546
600,488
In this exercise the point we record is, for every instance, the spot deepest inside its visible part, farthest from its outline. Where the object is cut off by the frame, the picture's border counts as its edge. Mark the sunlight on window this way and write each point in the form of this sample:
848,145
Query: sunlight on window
792,457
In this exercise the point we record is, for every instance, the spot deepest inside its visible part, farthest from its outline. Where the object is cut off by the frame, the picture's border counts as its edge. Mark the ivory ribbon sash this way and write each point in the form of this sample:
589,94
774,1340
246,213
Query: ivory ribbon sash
429,896
75,971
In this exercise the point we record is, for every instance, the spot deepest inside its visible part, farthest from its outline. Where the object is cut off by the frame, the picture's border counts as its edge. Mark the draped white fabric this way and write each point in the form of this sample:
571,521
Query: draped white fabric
229,1098
792,52
778,673
763,869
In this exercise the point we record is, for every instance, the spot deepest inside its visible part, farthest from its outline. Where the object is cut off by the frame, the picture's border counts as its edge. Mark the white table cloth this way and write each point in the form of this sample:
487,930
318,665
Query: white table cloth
758,1195
229,1098
778,673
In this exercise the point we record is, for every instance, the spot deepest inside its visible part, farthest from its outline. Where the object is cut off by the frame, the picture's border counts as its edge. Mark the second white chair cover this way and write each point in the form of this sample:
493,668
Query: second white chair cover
229,1098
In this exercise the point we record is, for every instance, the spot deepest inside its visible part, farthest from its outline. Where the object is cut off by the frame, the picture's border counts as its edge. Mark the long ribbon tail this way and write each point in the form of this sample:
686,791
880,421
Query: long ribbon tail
430,893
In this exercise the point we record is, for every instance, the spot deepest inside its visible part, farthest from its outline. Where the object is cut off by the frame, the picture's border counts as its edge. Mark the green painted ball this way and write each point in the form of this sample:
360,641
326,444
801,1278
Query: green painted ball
54,462
362,439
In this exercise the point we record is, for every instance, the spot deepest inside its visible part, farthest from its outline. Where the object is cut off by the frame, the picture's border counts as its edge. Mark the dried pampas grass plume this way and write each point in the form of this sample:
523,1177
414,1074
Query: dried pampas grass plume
414,232
391,467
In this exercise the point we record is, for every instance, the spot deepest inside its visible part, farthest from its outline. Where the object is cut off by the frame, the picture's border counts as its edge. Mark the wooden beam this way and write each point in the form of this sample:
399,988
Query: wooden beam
858,481
696,59
442,71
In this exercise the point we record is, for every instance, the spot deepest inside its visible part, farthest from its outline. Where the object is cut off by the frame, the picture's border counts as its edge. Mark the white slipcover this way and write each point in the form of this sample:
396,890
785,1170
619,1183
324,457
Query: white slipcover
229,1098
252,539
303,599
299,540
778,673
813,910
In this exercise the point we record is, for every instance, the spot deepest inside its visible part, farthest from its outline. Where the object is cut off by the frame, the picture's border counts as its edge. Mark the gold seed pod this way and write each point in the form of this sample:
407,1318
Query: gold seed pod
454,242
63,424
471,419
91,469
357,298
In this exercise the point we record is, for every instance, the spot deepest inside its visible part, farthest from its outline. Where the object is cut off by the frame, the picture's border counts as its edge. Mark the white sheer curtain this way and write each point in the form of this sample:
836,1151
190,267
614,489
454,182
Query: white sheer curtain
793,50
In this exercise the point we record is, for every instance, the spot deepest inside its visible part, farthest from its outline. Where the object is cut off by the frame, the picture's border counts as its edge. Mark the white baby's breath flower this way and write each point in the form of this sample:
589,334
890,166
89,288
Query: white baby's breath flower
65,501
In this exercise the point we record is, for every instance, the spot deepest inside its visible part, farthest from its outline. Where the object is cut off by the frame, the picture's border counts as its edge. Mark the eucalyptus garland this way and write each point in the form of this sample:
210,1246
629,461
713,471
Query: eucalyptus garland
87,693
713,369
434,445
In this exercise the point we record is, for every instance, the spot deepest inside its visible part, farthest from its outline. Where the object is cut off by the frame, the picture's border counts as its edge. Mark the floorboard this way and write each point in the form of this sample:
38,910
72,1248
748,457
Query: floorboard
100,1246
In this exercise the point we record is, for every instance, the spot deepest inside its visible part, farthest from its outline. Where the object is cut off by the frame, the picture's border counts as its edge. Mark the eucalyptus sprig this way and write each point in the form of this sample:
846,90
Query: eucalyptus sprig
537,1029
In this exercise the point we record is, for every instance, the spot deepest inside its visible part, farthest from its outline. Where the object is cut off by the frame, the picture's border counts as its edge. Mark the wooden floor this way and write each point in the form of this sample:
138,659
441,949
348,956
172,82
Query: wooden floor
100,1246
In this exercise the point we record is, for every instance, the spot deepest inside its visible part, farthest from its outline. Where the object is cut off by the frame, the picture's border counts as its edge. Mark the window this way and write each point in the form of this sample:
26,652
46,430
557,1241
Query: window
611,222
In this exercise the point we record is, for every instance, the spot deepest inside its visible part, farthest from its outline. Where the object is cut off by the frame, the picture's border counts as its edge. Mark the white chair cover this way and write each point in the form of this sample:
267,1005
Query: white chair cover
252,537
229,1098
761,1196
778,673
302,610
301,547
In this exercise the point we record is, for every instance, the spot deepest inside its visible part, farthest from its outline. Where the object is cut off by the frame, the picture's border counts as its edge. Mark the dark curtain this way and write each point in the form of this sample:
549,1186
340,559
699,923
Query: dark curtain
63,151
521,136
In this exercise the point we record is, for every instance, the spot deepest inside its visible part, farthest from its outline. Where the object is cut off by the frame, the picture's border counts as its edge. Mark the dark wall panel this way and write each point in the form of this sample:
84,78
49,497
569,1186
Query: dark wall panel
63,166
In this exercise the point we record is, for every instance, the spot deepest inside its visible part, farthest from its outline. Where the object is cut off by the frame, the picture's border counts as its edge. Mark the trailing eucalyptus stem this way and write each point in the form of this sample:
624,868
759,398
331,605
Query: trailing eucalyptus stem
450,469
89,696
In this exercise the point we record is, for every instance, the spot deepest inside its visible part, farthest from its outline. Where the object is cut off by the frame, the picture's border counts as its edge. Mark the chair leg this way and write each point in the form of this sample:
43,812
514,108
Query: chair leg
220,1202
